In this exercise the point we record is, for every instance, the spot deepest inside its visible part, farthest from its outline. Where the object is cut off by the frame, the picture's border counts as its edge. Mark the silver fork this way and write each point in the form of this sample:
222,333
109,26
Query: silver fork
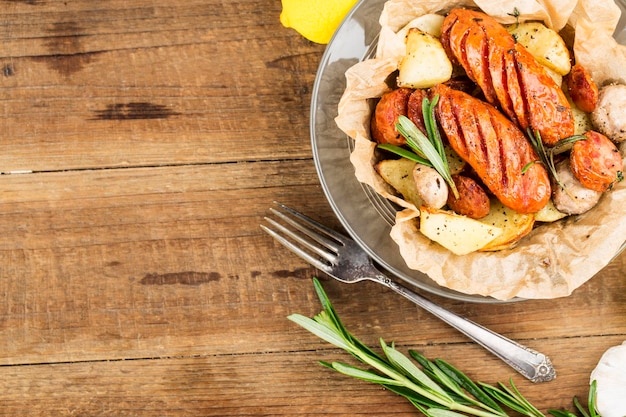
343,259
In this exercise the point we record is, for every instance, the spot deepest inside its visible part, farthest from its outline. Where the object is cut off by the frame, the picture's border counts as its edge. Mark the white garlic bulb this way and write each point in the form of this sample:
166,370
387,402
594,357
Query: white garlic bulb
610,377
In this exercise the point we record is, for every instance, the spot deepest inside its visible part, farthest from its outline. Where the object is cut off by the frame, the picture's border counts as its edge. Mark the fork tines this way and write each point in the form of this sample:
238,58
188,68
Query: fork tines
304,236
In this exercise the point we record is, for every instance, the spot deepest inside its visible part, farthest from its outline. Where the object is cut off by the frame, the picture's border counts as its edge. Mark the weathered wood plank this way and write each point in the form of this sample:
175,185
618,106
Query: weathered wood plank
118,264
124,85
268,384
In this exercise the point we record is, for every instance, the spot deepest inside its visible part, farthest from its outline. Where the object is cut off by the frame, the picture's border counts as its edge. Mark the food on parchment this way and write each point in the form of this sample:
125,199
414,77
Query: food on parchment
556,253
508,74
494,146
425,63
496,150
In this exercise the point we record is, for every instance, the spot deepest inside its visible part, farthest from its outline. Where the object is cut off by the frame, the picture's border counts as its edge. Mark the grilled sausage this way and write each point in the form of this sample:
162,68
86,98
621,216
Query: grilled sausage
582,89
596,162
414,109
495,148
383,123
473,201
508,74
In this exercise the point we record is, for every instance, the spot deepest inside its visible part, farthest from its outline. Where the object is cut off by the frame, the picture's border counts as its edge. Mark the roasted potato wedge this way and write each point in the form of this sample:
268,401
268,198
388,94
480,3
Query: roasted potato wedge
582,121
545,44
514,226
399,174
428,23
459,234
549,213
425,63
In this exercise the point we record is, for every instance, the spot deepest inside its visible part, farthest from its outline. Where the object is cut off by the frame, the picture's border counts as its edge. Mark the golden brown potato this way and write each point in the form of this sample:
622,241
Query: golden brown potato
425,63
544,44
514,226
459,234
399,174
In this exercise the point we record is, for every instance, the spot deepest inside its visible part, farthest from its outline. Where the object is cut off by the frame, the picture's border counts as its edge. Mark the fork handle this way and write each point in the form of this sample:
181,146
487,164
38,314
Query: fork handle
531,364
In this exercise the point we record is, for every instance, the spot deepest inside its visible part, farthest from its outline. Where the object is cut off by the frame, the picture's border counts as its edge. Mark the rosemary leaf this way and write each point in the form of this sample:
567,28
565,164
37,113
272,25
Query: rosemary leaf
466,383
402,362
419,142
368,376
320,331
428,112
436,390
400,151
435,412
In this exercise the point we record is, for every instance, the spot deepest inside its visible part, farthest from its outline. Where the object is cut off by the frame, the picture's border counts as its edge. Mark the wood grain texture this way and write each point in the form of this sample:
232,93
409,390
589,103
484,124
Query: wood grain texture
150,83
142,145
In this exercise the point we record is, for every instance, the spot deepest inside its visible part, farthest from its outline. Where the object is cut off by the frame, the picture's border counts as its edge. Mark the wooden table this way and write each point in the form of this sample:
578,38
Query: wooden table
142,144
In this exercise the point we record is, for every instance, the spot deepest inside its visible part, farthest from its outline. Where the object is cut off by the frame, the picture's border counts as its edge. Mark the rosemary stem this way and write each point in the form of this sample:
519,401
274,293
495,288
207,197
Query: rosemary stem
397,376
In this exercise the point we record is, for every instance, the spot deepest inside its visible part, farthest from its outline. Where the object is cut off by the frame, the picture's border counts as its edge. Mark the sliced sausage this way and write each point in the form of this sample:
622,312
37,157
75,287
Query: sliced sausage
582,89
389,107
596,162
509,76
473,201
495,148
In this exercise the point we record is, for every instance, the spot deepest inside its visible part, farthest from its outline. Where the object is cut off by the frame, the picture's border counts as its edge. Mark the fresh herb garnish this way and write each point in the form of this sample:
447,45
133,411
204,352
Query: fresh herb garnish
591,405
425,149
435,388
516,14
546,155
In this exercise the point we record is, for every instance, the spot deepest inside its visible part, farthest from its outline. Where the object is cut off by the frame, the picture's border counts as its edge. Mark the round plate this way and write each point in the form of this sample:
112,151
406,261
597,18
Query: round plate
366,216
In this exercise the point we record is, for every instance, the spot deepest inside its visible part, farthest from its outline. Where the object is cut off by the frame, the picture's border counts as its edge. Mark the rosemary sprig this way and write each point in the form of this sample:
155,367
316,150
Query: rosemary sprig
591,405
425,149
435,388
546,155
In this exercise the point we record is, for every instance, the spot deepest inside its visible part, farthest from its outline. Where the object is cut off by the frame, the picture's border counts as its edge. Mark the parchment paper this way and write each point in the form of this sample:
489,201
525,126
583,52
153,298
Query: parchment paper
555,258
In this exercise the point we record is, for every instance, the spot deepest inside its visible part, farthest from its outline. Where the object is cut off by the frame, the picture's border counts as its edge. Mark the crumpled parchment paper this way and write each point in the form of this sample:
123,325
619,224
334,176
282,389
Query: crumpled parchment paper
554,259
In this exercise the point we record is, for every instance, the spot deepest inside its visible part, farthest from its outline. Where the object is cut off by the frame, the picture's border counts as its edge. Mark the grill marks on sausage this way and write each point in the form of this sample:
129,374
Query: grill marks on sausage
495,148
508,74
484,69
522,107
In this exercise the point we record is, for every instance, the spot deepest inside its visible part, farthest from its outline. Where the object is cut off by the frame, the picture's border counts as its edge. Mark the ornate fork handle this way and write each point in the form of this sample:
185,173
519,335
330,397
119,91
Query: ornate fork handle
533,365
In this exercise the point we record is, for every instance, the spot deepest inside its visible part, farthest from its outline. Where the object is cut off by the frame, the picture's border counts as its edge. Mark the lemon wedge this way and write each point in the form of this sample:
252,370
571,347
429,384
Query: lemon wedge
316,20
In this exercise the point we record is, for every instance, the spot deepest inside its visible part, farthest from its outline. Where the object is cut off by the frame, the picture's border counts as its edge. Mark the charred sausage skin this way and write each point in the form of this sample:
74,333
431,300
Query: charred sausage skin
508,74
596,162
383,123
582,89
495,148
402,101
473,201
